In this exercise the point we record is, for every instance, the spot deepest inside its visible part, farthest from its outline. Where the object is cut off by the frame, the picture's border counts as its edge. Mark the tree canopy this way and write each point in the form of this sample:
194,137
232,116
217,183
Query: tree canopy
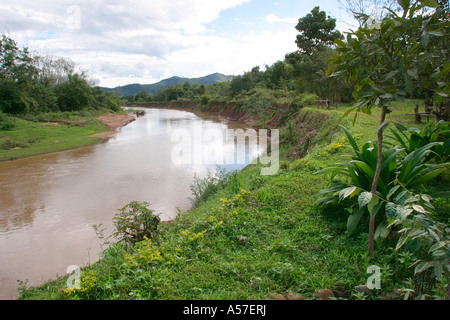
32,84
317,31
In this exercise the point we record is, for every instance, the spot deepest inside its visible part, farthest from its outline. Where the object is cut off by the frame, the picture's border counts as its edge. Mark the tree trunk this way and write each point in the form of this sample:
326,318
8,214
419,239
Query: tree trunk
375,181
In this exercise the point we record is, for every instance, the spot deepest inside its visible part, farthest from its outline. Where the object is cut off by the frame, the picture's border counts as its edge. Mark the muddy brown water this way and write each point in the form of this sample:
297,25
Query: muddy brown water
50,203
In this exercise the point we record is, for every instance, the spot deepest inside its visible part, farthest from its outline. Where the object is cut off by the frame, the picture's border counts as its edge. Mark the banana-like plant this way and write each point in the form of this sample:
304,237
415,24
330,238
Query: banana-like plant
413,138
398,176
402,54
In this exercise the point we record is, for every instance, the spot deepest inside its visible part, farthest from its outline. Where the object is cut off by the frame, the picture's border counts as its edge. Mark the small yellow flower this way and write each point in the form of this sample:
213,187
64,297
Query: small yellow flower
185,233
219,223
197,236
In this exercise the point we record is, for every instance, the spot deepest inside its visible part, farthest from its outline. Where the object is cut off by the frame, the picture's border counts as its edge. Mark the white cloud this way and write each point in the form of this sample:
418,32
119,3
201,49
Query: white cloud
121,42
271,18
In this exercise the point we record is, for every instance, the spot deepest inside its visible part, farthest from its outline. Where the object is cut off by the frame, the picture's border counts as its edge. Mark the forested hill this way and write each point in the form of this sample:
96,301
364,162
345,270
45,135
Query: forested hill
135,88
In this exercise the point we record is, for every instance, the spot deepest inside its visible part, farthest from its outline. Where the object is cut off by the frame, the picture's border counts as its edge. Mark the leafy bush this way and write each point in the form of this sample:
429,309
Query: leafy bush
203,188
422,235
306,99
74,94
6,123
10,143
204,99
13,98
233,183
136,222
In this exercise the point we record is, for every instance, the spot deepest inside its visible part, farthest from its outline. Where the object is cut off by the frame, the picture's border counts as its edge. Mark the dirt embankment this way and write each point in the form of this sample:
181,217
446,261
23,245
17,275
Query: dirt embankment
114,122
303,127
224,110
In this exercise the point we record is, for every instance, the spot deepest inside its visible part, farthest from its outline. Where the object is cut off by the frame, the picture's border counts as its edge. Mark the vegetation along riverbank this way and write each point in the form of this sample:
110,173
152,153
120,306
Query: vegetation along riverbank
31,135
359,209
262,237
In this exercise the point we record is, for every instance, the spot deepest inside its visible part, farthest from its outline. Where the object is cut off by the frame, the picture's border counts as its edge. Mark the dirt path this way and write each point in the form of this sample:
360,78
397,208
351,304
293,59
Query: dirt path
114,122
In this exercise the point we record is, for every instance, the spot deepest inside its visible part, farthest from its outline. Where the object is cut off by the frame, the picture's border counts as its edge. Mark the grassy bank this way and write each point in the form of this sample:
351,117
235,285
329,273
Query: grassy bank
31,135
260,237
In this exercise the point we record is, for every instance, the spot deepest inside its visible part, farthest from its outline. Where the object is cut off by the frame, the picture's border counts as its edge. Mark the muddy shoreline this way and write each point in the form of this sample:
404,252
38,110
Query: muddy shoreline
113,122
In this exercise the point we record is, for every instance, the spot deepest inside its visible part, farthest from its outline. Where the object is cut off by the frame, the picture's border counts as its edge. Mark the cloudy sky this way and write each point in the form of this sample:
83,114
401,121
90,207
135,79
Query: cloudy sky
137,41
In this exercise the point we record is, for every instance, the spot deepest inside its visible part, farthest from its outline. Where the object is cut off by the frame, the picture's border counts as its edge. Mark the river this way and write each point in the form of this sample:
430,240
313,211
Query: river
50,203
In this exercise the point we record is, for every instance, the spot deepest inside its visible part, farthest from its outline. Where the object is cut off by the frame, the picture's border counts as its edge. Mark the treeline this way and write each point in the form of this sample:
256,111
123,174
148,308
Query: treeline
297,79
37,84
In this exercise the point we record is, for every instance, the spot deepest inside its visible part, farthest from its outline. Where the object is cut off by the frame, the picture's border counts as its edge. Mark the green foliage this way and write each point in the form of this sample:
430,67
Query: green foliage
267,238
390,60
203,188
413,138
16,64
421,234
398,176
74,94
34,85
241,83
13,99
400,56
44,97
136,222
233,183
6,122
306,99
316,31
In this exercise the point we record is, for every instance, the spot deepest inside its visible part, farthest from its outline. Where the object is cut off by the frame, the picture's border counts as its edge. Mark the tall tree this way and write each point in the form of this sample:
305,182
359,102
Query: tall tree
317,31
15,64
310,62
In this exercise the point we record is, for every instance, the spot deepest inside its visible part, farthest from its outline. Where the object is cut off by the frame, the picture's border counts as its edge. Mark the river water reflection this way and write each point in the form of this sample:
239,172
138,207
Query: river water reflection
49,203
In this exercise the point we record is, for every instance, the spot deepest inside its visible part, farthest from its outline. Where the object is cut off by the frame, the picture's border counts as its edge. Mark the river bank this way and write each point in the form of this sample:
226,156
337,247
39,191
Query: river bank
61,195
259,237
28,138
113,122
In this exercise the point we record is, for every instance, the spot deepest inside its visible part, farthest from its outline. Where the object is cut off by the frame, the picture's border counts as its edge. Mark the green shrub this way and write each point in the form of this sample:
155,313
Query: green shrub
306,99
203,188
6,123
11,143
204,99
413,138
136,222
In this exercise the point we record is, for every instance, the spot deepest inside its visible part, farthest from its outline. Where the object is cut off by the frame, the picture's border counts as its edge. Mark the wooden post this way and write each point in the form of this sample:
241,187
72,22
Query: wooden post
417,117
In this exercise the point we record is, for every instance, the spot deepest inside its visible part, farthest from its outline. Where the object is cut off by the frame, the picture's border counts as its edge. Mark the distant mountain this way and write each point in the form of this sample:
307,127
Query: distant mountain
155,87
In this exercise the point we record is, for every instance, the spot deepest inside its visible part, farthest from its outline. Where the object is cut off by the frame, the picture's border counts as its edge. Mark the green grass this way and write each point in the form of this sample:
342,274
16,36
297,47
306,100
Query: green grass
30,137
268,238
